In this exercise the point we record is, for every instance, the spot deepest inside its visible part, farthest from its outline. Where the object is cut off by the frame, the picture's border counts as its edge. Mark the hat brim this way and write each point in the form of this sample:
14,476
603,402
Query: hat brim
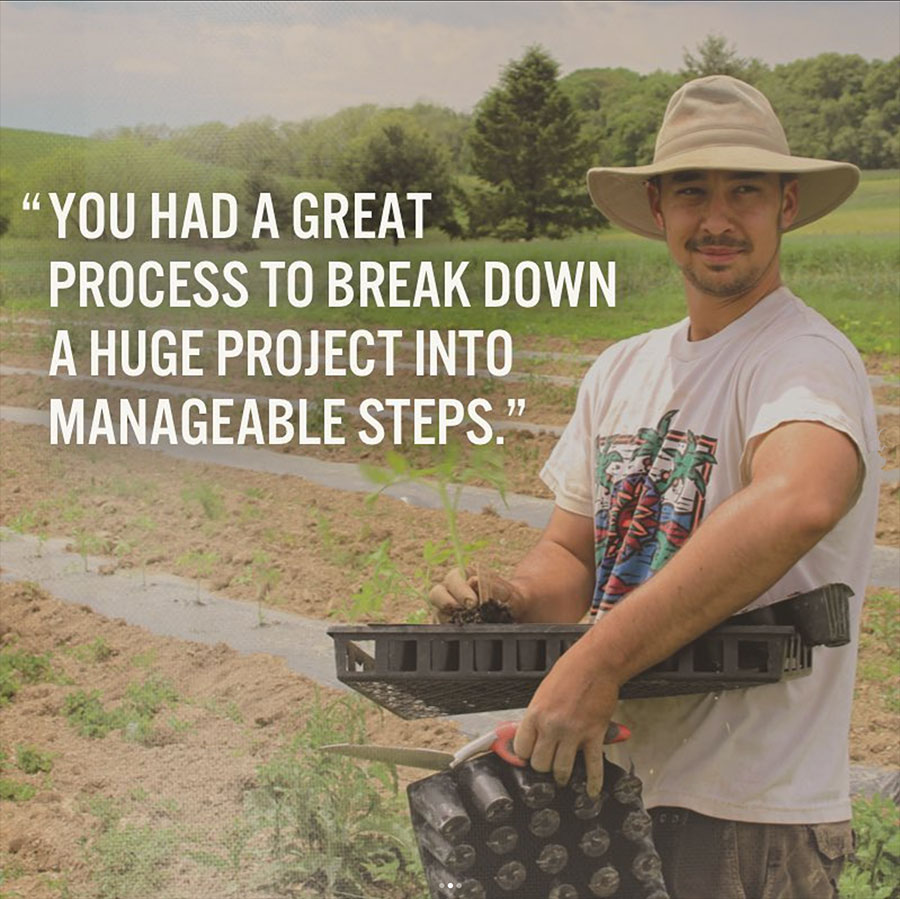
620,193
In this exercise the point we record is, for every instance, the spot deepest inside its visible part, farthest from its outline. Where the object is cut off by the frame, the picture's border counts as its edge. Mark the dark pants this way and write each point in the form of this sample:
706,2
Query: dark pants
708,858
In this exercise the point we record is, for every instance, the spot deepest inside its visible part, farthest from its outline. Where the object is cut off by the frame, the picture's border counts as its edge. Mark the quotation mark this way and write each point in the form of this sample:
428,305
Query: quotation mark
515,407
28,204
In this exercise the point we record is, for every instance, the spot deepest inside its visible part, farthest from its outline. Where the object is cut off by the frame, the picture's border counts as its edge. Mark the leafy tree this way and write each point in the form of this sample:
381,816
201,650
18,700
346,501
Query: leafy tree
839,106
716,57
317,145
258,182
621,111
394,155
202,142
526,144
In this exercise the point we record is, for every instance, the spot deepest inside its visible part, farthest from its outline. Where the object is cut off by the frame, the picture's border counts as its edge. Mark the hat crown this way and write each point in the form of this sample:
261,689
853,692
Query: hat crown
718,111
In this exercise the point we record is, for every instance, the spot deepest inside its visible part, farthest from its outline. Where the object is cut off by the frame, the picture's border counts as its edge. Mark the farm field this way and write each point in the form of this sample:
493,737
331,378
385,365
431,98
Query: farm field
176,805
199,741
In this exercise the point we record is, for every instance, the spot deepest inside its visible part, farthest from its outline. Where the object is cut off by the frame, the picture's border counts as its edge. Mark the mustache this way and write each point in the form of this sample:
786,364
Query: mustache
722,240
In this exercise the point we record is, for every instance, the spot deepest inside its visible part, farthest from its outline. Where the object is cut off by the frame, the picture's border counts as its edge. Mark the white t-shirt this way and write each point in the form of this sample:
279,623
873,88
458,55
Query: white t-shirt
663,431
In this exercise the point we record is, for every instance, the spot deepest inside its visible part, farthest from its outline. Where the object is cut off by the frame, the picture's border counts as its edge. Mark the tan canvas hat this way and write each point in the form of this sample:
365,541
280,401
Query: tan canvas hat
719,122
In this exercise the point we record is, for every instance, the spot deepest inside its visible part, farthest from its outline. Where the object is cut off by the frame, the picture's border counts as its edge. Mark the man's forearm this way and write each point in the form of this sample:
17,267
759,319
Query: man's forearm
554,584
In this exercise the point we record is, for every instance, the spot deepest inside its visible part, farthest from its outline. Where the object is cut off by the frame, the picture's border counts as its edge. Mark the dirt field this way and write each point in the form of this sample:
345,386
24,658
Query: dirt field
179,788
181,784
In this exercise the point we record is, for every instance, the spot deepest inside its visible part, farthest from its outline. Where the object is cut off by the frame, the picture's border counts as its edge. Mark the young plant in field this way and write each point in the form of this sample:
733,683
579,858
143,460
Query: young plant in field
207,496
266,575
447,477
331,544
86,544
201,563
146,526
874,871
334,827
31,760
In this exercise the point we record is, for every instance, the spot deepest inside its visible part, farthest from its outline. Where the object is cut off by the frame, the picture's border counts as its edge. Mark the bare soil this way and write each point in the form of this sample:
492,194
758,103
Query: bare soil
189,779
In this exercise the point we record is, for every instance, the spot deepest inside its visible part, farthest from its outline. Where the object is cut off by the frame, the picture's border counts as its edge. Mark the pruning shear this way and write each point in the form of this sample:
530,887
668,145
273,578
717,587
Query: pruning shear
498,740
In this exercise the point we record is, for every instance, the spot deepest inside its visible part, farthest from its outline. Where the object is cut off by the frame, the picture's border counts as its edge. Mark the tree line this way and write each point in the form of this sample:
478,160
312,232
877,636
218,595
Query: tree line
514,167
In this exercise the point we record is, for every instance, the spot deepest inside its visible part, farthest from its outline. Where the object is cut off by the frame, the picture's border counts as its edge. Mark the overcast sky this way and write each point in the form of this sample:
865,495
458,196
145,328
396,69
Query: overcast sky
76,67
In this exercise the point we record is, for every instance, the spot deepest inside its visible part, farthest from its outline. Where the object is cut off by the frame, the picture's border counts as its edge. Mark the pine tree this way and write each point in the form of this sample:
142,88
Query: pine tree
525,142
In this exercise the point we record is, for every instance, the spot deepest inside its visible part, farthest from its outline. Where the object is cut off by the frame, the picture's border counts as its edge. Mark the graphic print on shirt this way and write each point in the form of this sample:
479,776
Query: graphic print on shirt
650,490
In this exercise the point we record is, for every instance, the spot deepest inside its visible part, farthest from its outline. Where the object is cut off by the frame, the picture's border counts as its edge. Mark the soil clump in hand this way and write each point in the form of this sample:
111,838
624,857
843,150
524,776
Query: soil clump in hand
489,612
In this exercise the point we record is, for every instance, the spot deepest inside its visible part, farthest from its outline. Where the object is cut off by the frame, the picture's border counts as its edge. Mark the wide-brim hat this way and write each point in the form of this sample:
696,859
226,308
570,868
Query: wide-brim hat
720,123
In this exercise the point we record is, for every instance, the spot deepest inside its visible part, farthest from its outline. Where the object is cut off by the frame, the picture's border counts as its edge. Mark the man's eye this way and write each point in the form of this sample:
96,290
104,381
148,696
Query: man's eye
689,191
747,189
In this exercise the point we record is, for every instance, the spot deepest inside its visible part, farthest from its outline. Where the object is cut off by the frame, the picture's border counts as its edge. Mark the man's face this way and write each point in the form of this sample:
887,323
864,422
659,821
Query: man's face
724,229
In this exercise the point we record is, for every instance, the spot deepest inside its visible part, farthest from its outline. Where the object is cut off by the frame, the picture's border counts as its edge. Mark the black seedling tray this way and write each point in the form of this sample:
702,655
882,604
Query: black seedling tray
486,830
822,616
428,670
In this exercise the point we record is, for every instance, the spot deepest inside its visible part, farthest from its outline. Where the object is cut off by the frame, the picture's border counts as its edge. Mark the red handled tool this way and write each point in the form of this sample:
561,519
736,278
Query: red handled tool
499,740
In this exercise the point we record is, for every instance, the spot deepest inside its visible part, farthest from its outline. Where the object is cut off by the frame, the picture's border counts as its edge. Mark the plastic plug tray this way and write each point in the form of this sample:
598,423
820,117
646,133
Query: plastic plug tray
420,671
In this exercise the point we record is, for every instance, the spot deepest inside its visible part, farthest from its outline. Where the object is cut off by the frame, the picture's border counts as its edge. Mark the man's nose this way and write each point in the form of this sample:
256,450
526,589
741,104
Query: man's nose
717,213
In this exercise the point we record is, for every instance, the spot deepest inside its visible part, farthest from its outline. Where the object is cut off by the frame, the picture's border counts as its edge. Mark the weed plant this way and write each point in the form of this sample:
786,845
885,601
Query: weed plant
13,791
31,760
207,496
874,872
134,716
97,651
129,860
18,667
334,827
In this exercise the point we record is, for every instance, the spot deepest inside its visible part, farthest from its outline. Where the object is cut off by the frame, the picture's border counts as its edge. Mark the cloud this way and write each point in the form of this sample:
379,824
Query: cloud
78,67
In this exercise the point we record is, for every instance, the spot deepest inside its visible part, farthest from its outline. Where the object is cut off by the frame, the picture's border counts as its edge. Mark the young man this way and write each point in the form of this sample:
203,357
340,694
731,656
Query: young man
717,465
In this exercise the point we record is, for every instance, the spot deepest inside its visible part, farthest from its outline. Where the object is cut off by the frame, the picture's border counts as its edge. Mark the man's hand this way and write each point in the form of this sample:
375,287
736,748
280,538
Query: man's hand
571,710
466,589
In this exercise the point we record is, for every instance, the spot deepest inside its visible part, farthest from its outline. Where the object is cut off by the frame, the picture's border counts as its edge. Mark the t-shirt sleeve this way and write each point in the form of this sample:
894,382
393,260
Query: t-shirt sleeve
809,378
568,472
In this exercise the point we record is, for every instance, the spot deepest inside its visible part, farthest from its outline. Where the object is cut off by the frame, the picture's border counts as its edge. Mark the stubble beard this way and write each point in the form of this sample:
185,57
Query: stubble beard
740,285
723,290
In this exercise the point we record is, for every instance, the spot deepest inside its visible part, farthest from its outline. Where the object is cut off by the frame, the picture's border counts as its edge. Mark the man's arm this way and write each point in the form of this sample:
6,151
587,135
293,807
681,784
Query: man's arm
803,478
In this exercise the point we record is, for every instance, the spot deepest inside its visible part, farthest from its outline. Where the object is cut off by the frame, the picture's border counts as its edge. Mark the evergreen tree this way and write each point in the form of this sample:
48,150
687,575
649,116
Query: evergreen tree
716,57
525,143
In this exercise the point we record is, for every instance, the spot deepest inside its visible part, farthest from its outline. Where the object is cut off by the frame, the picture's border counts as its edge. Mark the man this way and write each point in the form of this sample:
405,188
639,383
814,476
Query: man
720,464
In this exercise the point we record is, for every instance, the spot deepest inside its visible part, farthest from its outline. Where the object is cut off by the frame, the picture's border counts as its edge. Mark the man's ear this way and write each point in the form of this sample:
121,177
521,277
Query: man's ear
653,199
790,203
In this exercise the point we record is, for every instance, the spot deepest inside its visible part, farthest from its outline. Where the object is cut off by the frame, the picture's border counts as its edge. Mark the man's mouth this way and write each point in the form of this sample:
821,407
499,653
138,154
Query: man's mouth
718,253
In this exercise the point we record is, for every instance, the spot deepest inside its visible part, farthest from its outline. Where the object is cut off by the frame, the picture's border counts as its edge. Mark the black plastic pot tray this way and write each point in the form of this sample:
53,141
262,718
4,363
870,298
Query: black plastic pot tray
426,670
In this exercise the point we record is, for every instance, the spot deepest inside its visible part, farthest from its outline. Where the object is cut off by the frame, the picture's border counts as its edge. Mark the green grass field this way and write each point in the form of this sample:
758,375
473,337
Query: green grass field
19,148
